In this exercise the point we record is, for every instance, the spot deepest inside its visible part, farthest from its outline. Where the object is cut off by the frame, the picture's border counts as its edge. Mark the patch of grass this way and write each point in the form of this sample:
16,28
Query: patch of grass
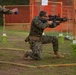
17,33
7,56
15,70
1,28
50,71
4,66
47,56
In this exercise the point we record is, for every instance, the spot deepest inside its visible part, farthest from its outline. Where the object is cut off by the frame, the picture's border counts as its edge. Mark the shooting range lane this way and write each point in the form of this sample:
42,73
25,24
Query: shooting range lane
33,66
40,66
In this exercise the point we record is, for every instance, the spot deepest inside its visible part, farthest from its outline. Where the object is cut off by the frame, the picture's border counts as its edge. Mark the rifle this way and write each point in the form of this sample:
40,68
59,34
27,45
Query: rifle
56,18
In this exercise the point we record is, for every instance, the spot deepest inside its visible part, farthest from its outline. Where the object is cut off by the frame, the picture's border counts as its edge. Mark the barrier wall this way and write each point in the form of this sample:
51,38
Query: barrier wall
20,21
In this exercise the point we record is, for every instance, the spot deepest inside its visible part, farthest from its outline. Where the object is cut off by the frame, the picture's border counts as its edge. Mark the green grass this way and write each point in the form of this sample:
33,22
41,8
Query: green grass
1,28
51,71
47,59
13,70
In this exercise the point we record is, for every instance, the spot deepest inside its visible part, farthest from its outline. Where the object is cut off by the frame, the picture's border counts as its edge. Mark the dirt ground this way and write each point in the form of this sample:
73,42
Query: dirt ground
12,62
14,57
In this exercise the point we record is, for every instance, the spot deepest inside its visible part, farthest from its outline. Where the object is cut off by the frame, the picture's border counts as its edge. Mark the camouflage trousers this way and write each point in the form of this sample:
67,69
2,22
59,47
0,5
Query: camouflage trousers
36,46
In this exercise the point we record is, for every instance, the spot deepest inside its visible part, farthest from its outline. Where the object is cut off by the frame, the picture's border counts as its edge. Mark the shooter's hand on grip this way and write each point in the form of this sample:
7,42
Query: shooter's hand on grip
50,22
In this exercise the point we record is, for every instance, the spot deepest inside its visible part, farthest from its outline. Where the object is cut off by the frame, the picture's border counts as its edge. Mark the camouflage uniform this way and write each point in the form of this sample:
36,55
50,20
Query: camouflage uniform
36,39
4,10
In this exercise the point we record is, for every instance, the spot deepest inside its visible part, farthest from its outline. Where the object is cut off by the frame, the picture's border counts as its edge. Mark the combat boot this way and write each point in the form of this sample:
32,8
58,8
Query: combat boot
58,55
26,55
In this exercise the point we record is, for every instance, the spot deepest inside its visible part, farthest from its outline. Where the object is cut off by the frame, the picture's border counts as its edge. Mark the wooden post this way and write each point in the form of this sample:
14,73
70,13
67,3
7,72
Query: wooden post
37,0
74,17
39,5
32,6
4,21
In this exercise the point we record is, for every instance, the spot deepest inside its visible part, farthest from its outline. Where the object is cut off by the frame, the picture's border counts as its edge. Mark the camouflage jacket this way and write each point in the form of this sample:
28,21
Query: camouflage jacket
37,27
4,10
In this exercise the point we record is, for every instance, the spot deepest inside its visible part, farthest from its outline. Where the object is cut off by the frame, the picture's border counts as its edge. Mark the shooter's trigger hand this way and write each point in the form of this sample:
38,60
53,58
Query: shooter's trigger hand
50,22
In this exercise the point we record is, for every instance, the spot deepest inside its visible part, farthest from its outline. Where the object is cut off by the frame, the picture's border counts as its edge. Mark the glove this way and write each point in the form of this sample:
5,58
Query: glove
15,10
